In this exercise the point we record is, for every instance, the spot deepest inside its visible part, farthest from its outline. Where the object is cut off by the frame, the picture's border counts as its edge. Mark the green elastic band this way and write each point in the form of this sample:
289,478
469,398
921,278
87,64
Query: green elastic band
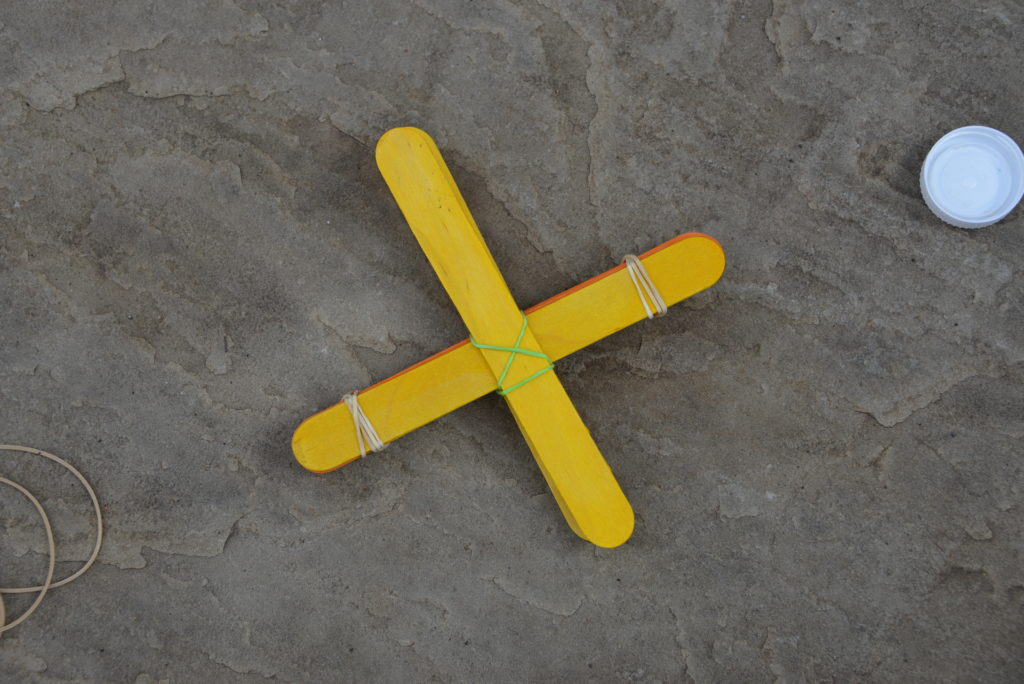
513,350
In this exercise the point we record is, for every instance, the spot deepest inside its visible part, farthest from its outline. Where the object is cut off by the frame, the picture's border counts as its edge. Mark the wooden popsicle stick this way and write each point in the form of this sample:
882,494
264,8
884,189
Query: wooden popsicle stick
452,378
580,479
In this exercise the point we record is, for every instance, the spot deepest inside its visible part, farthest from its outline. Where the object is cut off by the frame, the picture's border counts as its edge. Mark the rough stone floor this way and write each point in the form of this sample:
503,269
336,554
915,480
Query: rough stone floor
197,251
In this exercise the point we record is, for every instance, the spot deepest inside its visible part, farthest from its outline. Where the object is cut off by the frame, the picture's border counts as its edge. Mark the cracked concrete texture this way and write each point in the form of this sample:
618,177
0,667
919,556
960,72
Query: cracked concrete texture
823,451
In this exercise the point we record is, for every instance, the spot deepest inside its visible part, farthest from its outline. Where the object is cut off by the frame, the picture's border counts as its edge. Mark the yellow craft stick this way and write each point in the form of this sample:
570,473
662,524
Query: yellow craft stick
563,324
458,375
580,479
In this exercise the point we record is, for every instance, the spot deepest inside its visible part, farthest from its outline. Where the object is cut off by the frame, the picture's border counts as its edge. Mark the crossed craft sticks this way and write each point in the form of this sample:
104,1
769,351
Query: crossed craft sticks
509,350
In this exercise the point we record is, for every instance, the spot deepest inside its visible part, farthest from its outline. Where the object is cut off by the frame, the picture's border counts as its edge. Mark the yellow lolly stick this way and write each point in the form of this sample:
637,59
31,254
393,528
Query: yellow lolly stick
580,479
455,376
458,375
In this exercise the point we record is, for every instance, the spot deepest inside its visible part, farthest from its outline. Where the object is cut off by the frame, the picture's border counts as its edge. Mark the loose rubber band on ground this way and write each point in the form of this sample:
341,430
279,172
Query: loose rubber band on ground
365,432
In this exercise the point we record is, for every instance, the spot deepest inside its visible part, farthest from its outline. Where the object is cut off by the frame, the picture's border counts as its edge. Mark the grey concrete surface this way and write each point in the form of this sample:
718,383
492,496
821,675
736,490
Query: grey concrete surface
824,451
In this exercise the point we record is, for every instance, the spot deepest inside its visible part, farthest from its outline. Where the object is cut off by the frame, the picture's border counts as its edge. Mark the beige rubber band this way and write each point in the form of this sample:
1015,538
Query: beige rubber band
365,432
49,583
645,287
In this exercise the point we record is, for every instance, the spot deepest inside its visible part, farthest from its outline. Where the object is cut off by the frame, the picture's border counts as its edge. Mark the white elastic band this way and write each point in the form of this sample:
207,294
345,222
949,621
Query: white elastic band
645,286
365,434
49,583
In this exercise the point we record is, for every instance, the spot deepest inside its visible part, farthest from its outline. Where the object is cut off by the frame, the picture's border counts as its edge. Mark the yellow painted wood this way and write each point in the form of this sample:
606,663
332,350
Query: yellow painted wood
458,375
580,479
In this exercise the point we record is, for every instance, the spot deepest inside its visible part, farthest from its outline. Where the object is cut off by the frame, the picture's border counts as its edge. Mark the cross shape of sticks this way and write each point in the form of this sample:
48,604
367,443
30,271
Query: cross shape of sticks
509,350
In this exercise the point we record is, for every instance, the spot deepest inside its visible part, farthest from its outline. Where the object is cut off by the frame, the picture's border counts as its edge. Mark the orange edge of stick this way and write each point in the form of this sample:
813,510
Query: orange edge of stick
535,307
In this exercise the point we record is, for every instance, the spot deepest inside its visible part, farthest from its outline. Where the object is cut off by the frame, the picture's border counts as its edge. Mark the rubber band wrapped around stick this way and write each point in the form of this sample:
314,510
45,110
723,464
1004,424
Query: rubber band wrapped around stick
513,350
365,432
645,287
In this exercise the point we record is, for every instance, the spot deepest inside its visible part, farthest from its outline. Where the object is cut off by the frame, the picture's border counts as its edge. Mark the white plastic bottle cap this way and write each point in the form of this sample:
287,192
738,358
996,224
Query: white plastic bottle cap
973,176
